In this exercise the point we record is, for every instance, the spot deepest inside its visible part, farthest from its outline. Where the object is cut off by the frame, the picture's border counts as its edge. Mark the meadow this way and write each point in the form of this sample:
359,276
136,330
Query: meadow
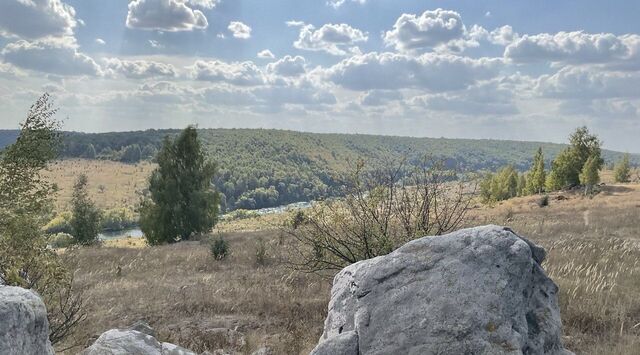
593,247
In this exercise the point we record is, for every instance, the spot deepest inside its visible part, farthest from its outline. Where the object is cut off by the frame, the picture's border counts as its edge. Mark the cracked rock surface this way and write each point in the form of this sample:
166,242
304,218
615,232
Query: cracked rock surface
475,291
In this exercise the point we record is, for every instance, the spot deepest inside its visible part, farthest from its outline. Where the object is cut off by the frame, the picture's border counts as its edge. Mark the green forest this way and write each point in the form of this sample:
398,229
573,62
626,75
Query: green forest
259,168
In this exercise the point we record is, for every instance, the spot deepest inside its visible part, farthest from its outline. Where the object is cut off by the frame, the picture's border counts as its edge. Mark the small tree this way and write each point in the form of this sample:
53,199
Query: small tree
537,175
589,176
622,171
86,220
383,209
25,203
181,199
568,165
131,154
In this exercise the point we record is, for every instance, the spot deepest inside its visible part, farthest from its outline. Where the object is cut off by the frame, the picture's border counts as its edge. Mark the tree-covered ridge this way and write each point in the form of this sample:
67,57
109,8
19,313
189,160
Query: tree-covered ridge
263,167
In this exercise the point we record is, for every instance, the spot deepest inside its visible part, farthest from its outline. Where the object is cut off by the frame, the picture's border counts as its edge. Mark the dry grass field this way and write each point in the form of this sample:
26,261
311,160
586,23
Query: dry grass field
111,184
594,256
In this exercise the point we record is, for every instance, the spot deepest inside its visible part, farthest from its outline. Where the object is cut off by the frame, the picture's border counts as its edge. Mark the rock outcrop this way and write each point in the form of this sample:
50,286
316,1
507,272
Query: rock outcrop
475,291
24,328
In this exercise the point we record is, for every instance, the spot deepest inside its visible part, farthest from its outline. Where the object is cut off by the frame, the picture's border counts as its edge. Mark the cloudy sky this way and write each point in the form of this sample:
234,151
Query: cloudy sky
524,70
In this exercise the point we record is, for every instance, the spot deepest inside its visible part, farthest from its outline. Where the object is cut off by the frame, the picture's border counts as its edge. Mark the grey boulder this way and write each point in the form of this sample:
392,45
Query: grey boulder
24,328
128,341
475,291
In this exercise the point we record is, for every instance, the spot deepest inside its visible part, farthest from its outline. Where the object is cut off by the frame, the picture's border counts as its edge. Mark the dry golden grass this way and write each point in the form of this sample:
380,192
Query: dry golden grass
111,184
593,249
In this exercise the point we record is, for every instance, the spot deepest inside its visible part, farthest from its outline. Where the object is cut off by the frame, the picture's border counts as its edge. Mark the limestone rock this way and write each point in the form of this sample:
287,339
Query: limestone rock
24,328
128,341
475,291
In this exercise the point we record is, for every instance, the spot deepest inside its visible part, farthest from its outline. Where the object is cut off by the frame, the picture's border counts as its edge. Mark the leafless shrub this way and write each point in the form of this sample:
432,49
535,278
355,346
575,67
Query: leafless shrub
383,209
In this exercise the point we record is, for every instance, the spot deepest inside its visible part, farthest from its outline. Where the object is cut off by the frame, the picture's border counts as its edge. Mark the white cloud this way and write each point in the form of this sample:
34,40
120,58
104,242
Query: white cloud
575,48
237,73
34,19
100,41
139,69
53,55
379,97
155,44
164,15
288,66
430,71
588,83
337,3
205,4
336,39
419,33
495,97
239,30
264,54
294,23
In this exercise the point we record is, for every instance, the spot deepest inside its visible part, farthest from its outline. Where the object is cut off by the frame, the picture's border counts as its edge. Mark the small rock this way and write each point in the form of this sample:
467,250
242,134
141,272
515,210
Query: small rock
143,327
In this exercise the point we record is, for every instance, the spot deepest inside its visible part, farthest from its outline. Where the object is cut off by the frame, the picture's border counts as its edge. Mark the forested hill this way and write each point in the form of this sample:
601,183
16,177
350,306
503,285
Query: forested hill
262,168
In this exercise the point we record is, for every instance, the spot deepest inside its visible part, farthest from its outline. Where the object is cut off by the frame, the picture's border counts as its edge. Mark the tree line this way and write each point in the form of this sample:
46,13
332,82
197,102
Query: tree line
577,165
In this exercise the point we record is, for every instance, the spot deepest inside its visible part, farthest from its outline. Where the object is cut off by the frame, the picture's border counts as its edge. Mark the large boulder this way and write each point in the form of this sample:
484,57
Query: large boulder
24,328
475,291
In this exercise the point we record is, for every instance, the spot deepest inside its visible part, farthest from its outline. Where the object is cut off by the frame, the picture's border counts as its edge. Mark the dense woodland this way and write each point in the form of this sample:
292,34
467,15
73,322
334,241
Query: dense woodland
264,168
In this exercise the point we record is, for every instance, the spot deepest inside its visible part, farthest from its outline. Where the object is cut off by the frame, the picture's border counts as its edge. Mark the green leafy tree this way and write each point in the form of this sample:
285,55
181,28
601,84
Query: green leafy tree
622,170
25,205
131,154
537,175
86,220
589,176
90,152
501,186
566,168
182,201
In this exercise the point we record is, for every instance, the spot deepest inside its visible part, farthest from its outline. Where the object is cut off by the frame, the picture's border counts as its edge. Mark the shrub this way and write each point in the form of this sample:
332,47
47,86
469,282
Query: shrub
61,223
543,201
383,209
261,252
220,248
61,240
119,219
240,214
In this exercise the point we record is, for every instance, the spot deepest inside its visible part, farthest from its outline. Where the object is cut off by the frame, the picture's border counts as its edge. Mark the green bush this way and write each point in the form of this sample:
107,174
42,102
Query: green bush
220,248
240,214
119,219
543,201
61,240
61,223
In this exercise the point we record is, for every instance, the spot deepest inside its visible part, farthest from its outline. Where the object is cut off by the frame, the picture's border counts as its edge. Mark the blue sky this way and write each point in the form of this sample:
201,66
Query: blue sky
525,70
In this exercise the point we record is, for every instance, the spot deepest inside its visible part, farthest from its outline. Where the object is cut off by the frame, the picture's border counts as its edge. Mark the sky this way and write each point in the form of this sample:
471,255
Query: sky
520,70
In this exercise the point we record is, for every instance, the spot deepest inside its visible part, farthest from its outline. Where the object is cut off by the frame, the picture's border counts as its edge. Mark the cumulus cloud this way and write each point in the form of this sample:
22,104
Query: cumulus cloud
336,39
430,71
237,73
288,66
33,19
100,41
205,4
266,54
586,83
418,33
239,30
52,55
337,3
574,48
139,69
495,97
379,97
165,15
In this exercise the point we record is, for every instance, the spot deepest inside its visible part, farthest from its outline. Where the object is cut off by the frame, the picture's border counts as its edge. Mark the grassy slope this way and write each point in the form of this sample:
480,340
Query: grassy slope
593,246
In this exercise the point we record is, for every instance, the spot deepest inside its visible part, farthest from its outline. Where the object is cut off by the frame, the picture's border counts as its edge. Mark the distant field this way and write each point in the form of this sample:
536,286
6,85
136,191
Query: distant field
111,184
593,249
